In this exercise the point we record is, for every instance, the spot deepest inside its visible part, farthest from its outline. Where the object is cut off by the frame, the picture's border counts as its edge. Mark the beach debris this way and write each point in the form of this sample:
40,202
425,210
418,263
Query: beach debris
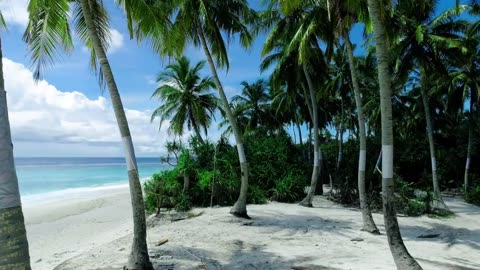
357,239
194,215
247,223
39,260
161,242
166,267
429,235
182,215
121,249
165,257
301,268
178,217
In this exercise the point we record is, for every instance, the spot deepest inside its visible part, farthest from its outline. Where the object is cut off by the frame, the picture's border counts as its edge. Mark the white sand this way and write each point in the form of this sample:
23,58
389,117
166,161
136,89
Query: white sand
94,232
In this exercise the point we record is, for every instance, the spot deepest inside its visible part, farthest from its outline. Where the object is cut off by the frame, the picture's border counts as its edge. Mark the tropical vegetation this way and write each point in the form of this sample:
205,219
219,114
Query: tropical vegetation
384,121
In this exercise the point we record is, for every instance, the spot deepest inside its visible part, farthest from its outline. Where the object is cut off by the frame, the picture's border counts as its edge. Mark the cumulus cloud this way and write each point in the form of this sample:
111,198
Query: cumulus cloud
15,11
42,114
116,40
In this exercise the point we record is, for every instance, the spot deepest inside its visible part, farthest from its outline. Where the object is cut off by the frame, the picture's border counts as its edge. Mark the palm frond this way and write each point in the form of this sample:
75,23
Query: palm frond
102,27
48,32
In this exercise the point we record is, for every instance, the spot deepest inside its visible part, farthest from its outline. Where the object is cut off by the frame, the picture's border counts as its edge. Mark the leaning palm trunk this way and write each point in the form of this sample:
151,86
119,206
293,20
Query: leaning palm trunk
340,139
240,207
368,223
138,258
469,153
300,135
199,136
402,258
467,165
437,203
13,237
307,201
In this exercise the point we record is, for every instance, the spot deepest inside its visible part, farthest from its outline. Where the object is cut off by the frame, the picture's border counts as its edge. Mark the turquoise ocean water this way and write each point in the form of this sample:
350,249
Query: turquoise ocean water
46,175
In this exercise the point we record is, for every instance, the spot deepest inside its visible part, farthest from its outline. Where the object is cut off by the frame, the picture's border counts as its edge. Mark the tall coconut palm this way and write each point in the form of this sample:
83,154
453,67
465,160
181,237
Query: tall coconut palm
465,75
402,258
205,23
423,40
345,14
48,32
14,252
186,98
297,30
253,100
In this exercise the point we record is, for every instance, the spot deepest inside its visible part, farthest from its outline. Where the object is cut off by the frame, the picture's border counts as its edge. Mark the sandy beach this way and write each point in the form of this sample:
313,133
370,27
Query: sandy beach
92,230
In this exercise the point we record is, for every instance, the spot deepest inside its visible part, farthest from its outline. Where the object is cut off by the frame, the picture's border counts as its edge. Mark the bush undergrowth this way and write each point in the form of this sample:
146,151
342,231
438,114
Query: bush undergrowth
276,172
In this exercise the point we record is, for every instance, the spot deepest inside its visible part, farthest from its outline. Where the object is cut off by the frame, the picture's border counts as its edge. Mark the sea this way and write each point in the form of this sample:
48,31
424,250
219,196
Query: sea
44,176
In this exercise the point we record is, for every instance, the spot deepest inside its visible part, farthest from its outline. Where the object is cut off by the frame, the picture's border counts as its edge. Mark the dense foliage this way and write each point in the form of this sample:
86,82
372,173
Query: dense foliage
277,172
434,108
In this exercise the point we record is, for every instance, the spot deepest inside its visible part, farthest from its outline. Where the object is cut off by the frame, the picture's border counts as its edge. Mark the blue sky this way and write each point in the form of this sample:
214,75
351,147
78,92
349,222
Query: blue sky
40,120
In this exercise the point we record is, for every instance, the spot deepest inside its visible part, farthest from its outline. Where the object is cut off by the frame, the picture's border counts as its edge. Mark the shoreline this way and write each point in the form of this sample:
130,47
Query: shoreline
86,192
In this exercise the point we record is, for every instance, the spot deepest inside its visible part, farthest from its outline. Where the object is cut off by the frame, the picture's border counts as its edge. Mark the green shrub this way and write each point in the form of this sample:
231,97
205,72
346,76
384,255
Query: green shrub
473,196
182,202
152,193
414,208
276,171
289,188
407,203
162,190
256,195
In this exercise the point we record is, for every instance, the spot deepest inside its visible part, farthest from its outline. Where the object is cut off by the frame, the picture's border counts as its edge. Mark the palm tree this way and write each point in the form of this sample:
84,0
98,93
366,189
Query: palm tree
205,24
47,30
465,75
345,14
294,32
186,97
402,258
241,117
422,44
13,236
253,100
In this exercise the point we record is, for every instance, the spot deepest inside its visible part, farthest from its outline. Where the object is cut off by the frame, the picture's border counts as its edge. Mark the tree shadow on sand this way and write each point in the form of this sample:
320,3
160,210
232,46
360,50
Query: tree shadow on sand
243,257
446,234
444,265
275,221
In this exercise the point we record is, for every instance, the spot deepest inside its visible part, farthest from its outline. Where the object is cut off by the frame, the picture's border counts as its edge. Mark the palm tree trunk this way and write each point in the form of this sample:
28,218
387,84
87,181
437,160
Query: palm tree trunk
307,201
437,202
294,134
368,223
13,237
138,258
199,136
186,181
402,258
469,152
309,142
300,134
340,139
321,173
239,209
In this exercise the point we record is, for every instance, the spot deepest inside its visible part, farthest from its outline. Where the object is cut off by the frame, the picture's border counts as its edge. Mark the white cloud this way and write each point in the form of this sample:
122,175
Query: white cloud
42,116
15,11
116,40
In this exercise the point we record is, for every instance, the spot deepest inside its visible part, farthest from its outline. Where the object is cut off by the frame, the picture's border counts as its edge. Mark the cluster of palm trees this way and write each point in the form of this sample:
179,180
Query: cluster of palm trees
411,52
